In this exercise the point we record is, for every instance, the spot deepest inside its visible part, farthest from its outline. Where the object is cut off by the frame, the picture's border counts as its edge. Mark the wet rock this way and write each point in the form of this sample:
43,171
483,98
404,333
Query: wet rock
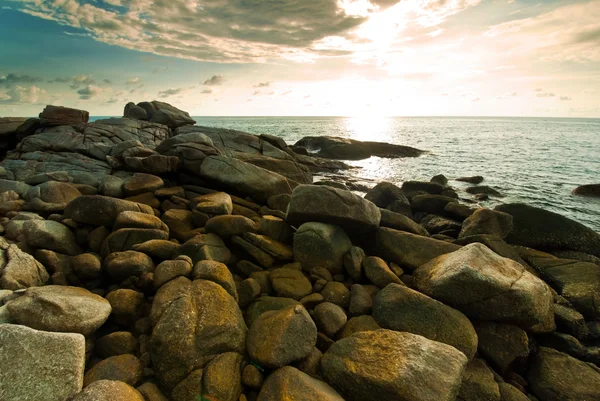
476,179
389,365
60,309
278,338
434,204
385,193
319,244
592,190
412,188
58,115
439,179
291,384
484,285
124,368
332,147
485,221
37,365
109,390
101,210
399,308
485,190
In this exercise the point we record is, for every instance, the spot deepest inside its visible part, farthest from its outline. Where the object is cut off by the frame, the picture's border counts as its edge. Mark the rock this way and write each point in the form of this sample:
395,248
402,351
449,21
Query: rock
319,244
388,365
290,384
188,388
357,324
216,272
439,179
378,272
122,265
170,269
159,249
360,301
570,321
352,261
486,221
101,210
336,293
151,392
430,203
329,318
289,283
497,245
592,190
554,376
266,304
458,211
332,147
399,308
109,390
124,368
544,230
116,343
126,304
180,223
38,365
385,193
478,383
193,322
409,250
476,179
485,190
315,203
227,226
440,225
134,111
275,228
486,286
215,203
86,266
125,239
511,393
50,197
164,113
58,115
52,235
400,222
129,219
141,183
411,188
19,270
60,309
502,344
279,202
222,377
278,338
244,178
206,247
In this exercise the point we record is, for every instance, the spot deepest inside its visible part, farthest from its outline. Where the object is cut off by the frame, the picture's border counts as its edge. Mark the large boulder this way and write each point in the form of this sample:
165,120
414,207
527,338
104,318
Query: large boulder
164,113
52,235
244,178
19,270
319,244
349,149
544,230
385,193
486,221
290,384
60,309
58,115
109,390
408,250
555,376
388,365
333,206
399,308
193,322
50,196
478,383
486,286
101,210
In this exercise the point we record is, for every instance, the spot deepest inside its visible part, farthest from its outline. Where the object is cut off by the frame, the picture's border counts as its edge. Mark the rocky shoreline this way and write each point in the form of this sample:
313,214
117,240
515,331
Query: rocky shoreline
145,258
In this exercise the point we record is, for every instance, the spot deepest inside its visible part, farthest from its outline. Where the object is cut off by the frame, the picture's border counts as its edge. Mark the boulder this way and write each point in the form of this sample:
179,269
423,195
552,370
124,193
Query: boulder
486,221
544,230
592,190
135,112
290,384
483,189
244,178
349,149
222,377
430,203
412,188
486,286
122,265
324,204
266,304
319,244
401,222
399,308
52,235
164,113
385,193
289,283
58,115
193,322
50,196
109,390
60,309
116,343
227,226
141,183
124,368
329,318
37,365
216,272
19,270
388,365
101,210
206,247
408,250
125,239
378,272
476,179
502,344
478,383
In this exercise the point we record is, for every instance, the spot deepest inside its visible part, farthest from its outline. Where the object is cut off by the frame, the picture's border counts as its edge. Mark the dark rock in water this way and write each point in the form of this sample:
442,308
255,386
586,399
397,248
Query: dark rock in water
349,149
164,113
134,111
58,115
385,193
389,365
484,189
334,206
440,179
541,229
477,179
293,385
592,190
555,376
411,188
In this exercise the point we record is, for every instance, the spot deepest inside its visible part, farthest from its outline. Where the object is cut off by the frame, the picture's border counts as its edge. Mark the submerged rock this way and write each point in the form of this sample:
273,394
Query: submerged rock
350,149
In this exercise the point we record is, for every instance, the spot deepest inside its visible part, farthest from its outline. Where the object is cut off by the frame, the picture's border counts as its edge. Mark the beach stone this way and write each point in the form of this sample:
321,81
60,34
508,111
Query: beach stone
278,338
151,392
411,188
266,304
289,283
319,244
401,222
126,303
544,230
170,269
509,392
502,344
486,221
180,223
87,266
290,384
116,343
378,272
125,239
109,390
206,247
216,272
215,203
478,383
476,179
352,261
459,211
336,293
101,210
317,203
122,265
52,235
399,308
388,365
329,318
50,196
19,270
244,178
483,190
275,228
555,376
60,309
429,203
409,251
357,324
129,219
592,190
222,377
385,193
193,322
360,301
37,365
111,186
125,368
59,115
188,388
486,286
158,249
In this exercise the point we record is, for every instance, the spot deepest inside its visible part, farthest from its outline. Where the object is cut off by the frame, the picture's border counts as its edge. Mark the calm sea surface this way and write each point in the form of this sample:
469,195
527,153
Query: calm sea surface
538,161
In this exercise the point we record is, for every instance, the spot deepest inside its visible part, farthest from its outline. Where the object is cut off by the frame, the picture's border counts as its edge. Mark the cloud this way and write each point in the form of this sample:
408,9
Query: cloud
16,94
262,85
507,95
214,80
62,80
107,81
287,92
545,94
14,79
206,91
89,92
159,70
565,98
170,92
256,93
475,99
82,80
133,81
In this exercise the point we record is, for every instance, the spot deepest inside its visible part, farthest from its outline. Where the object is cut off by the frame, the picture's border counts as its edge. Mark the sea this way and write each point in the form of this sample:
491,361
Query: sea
537,161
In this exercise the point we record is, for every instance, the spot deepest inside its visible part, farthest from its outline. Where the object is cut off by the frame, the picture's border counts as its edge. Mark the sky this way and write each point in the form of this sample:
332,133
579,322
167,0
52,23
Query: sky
303,57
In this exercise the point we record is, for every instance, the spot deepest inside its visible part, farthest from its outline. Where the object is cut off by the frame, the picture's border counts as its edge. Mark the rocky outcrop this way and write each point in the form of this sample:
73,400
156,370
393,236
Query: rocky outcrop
160,113
349,149
592,190
58,115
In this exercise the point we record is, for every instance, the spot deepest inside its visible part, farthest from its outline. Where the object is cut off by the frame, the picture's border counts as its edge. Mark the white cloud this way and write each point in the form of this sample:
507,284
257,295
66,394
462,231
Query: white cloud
133,81
17,94
89,92
214,80
565,98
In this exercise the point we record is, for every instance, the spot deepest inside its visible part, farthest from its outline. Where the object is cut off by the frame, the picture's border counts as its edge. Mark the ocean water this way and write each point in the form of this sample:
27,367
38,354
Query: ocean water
537,161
